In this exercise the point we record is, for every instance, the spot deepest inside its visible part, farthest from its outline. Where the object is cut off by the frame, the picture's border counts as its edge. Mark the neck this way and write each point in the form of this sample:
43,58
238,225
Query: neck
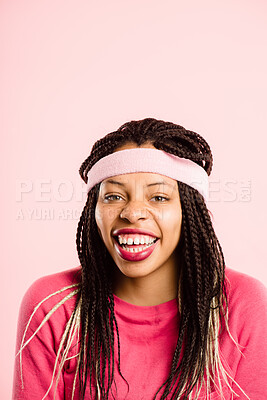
156,288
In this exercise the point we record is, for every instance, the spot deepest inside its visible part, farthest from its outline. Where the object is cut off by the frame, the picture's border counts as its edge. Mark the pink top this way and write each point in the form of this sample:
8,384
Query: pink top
148,337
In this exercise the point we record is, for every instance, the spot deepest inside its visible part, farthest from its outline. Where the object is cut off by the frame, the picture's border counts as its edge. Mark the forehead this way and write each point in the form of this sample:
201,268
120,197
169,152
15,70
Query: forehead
146,179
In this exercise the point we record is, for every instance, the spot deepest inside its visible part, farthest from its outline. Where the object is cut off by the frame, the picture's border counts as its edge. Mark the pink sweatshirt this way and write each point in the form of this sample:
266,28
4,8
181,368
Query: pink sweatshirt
148,336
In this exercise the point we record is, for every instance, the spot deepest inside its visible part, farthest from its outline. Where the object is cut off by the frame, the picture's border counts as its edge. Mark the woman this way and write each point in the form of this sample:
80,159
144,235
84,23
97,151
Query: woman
152,312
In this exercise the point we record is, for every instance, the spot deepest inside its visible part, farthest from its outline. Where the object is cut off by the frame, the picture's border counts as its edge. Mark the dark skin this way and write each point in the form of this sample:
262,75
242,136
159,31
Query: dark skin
155,208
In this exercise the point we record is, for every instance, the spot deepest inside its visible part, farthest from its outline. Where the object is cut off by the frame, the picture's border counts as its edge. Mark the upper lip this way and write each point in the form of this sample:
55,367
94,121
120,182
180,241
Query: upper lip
132,230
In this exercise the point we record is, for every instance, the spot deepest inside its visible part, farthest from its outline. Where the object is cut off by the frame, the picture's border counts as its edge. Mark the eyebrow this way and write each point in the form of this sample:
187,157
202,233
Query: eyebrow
150,184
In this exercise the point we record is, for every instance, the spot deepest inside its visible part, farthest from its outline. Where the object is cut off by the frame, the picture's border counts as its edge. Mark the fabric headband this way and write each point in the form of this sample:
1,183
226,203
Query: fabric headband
149,160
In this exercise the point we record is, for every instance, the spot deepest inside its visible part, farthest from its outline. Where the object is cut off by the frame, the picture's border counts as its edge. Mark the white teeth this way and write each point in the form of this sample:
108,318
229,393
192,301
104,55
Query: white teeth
136,250
136,240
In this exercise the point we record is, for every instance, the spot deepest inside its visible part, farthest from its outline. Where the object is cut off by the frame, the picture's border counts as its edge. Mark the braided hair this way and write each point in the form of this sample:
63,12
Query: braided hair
202,291
202,284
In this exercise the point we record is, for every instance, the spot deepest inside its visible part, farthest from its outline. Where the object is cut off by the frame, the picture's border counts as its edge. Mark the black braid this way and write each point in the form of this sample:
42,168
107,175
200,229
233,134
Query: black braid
202,274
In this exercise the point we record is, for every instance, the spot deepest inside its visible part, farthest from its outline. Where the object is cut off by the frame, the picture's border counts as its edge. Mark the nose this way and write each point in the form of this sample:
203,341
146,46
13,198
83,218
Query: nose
134,211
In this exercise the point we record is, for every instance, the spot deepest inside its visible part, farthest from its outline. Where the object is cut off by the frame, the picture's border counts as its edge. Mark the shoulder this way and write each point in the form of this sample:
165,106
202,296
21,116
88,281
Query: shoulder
244,288
49,290
247,302
45,310
51,283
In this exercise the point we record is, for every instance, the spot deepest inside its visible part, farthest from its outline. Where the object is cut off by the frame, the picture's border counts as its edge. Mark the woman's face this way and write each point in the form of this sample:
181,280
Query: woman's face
149,205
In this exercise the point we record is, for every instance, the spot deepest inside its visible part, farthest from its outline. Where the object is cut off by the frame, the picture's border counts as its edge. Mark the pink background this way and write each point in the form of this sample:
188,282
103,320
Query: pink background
72,71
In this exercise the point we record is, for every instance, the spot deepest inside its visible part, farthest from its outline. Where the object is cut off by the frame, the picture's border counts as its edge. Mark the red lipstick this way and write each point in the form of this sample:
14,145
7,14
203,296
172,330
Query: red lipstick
139,256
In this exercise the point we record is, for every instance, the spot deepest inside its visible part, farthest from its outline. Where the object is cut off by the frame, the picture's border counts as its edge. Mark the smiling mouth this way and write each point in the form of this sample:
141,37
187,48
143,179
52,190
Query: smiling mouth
135,252
135,248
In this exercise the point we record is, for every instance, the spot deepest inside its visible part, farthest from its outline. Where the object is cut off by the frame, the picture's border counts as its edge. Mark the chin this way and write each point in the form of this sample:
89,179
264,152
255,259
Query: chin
135,271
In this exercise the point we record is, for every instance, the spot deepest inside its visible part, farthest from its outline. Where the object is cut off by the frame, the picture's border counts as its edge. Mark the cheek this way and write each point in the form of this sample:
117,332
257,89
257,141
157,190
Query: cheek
171,216
99,220
172,222
104,217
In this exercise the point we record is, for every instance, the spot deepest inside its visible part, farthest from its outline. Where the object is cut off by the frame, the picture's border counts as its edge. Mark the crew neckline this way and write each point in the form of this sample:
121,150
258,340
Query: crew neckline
166,307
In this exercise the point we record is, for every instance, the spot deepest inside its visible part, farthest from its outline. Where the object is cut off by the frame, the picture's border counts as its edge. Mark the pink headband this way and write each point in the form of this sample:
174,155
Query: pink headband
149,160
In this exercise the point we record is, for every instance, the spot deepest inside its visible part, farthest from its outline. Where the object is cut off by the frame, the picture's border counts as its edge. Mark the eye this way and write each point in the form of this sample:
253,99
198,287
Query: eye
112,197
160,199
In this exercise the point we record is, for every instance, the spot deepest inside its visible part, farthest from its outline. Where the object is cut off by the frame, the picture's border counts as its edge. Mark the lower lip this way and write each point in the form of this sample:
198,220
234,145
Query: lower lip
141,255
